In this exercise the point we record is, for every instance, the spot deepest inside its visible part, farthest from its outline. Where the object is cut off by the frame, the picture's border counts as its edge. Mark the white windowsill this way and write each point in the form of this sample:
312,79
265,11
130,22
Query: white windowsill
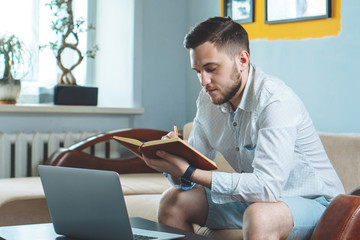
50,108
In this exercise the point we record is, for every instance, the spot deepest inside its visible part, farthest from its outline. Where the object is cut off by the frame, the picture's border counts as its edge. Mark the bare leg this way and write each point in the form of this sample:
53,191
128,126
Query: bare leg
267,221
180,209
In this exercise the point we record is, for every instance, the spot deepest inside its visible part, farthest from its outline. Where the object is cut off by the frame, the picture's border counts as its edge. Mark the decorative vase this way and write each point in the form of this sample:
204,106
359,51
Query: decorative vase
9,90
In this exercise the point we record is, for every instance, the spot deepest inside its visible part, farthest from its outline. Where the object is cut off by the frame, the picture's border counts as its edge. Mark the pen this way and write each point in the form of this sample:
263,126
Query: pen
175,130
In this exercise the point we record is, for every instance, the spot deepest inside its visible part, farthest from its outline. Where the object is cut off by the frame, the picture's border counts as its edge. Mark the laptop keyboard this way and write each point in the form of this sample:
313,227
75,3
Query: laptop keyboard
142,237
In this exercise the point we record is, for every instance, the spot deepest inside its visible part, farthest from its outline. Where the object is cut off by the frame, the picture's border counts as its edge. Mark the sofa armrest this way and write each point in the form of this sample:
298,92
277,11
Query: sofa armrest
74,156
355,192
341,219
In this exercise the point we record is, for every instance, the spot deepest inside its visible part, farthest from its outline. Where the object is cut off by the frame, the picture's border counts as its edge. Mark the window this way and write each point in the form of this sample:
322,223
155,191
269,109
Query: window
30,20
112,70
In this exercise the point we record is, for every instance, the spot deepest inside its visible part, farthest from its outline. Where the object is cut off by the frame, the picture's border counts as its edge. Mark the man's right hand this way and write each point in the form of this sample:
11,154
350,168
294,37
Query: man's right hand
170,135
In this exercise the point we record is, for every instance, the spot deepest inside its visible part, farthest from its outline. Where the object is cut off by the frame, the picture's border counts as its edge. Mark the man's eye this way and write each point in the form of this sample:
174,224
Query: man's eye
210,70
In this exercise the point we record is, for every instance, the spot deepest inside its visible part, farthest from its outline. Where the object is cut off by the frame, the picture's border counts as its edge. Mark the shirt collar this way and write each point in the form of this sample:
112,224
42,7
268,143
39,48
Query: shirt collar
248,100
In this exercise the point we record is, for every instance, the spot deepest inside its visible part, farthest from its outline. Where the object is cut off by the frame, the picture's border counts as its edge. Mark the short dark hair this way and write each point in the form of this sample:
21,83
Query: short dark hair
225,33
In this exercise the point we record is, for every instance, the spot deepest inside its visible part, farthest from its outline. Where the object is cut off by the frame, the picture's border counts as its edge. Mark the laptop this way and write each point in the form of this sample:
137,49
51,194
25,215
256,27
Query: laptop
89,204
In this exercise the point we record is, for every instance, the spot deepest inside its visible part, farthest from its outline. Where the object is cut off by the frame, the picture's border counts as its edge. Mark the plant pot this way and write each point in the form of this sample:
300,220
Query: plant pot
75,95
9,91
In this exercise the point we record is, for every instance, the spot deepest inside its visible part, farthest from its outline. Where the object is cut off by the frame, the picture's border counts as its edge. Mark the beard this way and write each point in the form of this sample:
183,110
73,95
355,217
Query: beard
231,90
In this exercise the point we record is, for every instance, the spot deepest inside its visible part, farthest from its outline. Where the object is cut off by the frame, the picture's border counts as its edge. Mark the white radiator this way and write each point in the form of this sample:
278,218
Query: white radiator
21,153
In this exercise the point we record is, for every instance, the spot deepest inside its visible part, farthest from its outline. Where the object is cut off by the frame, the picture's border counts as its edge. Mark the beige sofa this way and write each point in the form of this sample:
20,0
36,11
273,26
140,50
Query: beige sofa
22,199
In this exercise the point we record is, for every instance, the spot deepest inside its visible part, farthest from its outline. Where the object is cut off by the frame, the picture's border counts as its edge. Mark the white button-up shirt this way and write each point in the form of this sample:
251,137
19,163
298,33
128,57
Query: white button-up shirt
269,140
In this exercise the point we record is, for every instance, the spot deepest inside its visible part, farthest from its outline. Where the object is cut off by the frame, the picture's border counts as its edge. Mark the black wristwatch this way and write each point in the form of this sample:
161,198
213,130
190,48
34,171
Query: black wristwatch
186,178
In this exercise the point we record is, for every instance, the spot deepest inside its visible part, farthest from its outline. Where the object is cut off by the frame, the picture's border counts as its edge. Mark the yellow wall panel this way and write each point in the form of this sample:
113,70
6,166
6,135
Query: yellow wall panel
292,30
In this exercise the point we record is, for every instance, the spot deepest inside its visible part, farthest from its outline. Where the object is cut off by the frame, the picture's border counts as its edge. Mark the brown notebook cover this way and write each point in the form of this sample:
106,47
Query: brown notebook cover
174,146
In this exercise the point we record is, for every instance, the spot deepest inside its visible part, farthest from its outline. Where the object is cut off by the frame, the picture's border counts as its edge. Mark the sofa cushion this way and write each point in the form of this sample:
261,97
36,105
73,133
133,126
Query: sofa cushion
144,183
343,151
20,188
22,200
143,205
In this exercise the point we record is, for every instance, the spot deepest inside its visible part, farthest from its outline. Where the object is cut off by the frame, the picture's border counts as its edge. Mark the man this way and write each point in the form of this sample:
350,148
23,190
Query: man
284,179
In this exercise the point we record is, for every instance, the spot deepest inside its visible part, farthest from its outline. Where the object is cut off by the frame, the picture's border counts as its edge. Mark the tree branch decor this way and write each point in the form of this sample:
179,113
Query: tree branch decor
68,28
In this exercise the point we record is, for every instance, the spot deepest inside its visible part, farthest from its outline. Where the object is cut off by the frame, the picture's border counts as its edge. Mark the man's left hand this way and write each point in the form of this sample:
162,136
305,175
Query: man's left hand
169,163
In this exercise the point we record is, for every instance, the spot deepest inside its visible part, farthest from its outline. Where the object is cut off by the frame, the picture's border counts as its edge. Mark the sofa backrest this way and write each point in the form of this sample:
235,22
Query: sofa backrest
343,151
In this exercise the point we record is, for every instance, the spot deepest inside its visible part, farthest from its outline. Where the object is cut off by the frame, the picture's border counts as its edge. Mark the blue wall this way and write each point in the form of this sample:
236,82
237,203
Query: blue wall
162,63
322,71
168,91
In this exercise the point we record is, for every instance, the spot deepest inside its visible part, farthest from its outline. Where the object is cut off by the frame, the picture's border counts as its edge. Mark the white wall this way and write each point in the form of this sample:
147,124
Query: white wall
114,63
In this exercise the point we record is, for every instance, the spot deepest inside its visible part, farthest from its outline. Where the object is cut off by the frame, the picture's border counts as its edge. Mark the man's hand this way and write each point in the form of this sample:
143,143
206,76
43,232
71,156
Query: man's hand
170,135
171,164
176,166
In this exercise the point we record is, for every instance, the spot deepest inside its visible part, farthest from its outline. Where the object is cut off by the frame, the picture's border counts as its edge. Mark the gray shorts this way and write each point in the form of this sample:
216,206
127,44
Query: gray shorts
306,213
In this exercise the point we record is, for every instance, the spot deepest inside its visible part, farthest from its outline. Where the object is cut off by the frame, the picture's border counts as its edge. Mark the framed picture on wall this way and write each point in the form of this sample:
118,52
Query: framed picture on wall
277,11
241,11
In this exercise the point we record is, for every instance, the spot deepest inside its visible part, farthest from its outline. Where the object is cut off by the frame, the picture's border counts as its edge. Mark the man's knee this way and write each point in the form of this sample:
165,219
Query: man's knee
267,221
254,218
184,205
171,203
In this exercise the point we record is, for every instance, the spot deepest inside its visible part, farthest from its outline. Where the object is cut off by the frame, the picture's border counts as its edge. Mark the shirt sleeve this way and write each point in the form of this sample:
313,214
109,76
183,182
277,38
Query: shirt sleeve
273,158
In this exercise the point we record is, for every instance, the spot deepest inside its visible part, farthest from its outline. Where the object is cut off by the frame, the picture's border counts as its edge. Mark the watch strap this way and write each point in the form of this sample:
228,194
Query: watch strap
186,178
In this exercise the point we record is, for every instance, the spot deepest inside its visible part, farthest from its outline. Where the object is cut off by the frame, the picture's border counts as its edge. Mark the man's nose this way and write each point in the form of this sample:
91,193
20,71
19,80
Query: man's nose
204,78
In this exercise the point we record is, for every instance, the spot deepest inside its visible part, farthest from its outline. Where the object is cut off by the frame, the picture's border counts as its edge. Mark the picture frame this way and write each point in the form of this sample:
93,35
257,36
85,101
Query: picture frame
279,11
241,11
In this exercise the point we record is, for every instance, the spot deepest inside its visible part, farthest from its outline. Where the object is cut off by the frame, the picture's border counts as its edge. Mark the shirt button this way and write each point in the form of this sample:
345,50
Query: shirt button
234,124
237,149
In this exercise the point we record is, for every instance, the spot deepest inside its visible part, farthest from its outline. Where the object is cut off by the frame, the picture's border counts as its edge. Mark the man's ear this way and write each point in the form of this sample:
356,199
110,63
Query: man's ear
242,60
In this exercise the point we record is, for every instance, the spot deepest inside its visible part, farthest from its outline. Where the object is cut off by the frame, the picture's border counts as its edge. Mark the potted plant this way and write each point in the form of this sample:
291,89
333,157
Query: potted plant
13,55
67,92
